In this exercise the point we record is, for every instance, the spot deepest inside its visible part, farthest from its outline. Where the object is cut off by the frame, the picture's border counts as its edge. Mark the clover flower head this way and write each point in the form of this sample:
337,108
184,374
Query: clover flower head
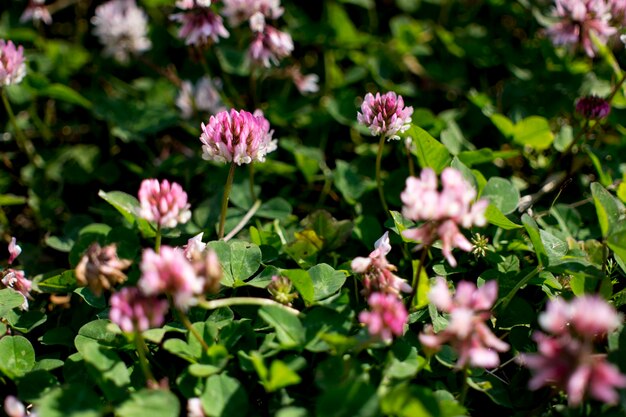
386,317
164,203
466,330
442,212
169,272
36,11
566,355
199,24
100,268
122,28
269,45
281,290
238,11
593,107
205,263
237,136
194,408
134,311
306,84
385,115
16,279
203,97
577,19
14,250
378,273
12,66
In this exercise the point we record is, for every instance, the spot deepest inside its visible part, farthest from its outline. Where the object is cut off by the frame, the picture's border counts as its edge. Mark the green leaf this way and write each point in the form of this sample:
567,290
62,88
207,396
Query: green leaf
349,183
535,237
409,401
302,281
333,232
429,151
11,200
276,208
326,280
57,283
504,125
423,286
608,208
224,396
17,356
497,218
76,400
9,299
150,402
239,260
289,329
533,131
64,93
502,194
128,206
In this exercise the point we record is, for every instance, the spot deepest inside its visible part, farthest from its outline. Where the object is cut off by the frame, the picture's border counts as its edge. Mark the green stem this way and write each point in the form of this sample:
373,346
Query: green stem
255,207
379,183
245,301
22,142
227,188
417,277
251,180
157,240
140,344
504,302
185,320
465,387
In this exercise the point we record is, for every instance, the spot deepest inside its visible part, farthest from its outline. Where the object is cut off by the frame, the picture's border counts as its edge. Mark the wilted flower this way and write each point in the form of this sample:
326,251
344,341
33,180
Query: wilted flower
442,211
566,359
238,11
466,331
12,66
577,19
194,408
200,24
100,268
14,250
169,272
36,11
164,203
593,107
203,97
121,27
205,263
378,273
385,115
304,83
480,245
281,290
237,136
134,311
269,45
194,246
386,318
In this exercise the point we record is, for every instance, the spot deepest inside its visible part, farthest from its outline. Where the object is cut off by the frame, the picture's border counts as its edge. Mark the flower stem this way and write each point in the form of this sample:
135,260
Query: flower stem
242,301
464,388
504,302
227,188
185,320
255,207
417,277
251,180
22,141
157,239
140,344
379,183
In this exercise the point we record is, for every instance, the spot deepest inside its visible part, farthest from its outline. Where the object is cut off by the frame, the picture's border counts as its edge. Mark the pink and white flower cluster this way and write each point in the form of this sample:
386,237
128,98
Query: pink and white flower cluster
466,331
36,11
269,45
164,203
237,136
442,212
385,115
122,28
134,311
203,97
15,278
200,25
387,315
239,11
577,19
566,356
15,408
12,66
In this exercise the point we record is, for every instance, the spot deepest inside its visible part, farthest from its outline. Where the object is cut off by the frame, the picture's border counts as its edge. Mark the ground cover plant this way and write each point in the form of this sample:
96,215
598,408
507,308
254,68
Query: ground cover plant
329,208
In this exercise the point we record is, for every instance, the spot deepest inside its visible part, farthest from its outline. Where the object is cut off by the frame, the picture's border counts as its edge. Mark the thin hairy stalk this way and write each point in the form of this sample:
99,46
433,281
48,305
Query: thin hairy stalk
157,239
22,141
251,181
379,182
504,302
185,320
417,276
140,344
245,301
465,386
243,221
225,197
